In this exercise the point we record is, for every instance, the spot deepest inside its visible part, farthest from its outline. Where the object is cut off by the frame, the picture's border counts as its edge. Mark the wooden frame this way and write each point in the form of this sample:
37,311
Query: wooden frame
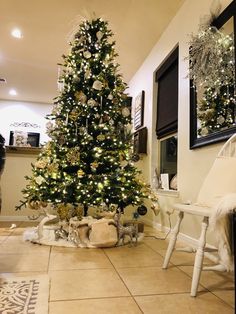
220,135
139,110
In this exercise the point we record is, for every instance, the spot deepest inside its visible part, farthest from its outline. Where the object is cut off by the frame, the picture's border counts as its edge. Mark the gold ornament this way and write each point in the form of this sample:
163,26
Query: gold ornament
74,115
64,211
34,204
94,165
81,97
80,173
101,137
73,155
41,164
43,204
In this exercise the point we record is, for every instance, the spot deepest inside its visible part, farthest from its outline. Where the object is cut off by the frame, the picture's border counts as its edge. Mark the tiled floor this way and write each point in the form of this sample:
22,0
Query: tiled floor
122,280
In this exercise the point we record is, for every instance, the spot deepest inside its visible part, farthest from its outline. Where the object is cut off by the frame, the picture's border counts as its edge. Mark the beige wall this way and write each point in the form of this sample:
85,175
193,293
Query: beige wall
19,165
193,165
12,182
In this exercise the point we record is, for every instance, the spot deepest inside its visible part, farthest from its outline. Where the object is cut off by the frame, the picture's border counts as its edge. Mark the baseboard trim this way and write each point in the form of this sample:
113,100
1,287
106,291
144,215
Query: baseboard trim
16,218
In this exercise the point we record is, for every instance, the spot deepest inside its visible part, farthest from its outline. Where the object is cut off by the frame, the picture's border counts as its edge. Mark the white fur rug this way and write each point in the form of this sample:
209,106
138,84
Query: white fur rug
24,295
221,225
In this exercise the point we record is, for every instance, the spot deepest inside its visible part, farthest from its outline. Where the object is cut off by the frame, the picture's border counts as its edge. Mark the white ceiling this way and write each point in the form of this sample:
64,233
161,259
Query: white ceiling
30,64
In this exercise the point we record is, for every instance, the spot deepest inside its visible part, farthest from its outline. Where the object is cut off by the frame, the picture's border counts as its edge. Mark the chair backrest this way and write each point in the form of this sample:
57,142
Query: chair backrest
221,179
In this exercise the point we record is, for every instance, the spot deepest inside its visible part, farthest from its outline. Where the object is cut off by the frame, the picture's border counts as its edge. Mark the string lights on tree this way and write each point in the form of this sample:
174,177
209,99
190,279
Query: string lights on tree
88,160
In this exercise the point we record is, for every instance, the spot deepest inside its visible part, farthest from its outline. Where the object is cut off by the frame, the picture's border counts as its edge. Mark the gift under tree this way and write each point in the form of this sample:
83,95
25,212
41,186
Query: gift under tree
88,160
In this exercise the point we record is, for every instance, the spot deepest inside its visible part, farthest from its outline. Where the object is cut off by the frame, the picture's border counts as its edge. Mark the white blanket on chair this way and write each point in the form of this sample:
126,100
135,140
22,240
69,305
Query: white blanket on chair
221,225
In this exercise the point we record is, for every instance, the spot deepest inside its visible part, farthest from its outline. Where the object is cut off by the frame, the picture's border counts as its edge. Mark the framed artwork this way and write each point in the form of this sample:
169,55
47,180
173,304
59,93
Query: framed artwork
19,138
139,110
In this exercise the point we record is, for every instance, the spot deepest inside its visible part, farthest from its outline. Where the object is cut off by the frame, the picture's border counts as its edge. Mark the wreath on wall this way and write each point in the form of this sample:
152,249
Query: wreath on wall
212,71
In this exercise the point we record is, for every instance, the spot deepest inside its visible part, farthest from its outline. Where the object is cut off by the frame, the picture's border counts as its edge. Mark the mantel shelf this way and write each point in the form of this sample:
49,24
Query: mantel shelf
23,150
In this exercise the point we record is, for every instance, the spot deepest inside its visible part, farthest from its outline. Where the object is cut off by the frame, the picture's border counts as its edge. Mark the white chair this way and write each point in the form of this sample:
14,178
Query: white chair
220,181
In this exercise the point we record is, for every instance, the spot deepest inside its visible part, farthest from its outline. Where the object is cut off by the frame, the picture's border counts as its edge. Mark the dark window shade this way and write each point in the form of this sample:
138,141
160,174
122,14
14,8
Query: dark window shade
167,98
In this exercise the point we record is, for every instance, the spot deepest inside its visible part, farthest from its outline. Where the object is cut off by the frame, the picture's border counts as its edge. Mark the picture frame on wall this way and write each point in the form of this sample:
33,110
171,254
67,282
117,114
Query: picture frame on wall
29,139
139,110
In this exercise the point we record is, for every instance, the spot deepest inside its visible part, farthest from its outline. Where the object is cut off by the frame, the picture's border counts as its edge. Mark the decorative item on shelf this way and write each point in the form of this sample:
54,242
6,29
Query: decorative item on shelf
24,139
139,110
140,141
19,138
155,180
165,181
174,183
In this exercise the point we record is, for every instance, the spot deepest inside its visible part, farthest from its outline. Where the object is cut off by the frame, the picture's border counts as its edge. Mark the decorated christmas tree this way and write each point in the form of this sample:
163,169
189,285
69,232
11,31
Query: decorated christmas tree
88,160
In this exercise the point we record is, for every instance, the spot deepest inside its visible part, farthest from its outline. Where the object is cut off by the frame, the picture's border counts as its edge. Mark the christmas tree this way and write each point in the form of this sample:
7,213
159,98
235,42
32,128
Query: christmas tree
88,160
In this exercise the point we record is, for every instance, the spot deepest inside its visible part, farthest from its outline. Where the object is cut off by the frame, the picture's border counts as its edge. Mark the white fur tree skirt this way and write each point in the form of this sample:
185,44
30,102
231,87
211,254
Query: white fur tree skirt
87,233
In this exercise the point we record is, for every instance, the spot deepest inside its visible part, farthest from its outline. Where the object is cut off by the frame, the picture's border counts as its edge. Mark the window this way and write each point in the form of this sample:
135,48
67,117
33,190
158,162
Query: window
167,96
167,120
168,162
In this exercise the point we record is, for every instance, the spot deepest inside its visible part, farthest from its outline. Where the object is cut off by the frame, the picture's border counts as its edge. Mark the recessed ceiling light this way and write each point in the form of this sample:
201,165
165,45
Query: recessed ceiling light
12,92
16,32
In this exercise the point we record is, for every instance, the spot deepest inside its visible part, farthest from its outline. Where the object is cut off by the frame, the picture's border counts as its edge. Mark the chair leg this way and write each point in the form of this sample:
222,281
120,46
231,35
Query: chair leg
172,241
199,258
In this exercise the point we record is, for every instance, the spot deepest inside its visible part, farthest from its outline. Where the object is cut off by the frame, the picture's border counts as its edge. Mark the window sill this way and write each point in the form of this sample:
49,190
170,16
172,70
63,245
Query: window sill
171,193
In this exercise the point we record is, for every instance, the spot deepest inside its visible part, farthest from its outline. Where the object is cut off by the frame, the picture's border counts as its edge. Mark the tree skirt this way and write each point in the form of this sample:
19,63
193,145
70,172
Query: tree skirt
25,295
95,234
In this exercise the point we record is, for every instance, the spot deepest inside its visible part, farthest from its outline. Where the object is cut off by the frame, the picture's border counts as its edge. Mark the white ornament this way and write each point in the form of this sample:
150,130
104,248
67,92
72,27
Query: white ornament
91,102
110,96
220,119
97,85
49,126
87,74
111,122
87,54
39,180
125,112
99,35
129,127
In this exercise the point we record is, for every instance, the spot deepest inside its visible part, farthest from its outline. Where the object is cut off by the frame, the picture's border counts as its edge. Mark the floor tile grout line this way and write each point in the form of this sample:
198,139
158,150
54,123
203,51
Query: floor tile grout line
154,250
49,258
78,269
233,307
124,283
116,270
93,298
207,290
